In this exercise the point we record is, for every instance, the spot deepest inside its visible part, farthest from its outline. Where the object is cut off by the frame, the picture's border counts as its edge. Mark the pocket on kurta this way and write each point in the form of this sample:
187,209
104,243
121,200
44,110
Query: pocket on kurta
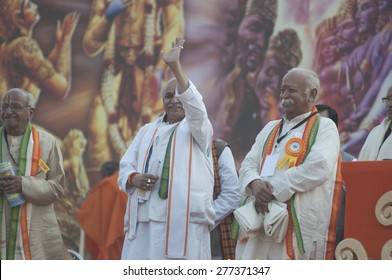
197,206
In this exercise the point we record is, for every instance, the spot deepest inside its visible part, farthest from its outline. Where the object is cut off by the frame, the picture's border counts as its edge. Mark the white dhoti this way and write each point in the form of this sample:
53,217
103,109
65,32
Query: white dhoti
149,243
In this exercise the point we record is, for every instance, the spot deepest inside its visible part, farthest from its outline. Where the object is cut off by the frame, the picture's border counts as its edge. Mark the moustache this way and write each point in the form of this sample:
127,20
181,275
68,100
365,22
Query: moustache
288,101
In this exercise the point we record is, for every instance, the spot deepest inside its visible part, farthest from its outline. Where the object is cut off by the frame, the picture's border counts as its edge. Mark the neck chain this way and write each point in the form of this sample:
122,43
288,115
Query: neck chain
9,151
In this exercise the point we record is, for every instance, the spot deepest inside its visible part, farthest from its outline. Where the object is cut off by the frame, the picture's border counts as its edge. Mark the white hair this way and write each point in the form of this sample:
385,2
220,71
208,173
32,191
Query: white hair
312,80
30,98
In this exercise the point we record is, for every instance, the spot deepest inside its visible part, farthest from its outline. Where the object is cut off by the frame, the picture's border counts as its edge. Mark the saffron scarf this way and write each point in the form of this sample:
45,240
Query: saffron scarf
17,246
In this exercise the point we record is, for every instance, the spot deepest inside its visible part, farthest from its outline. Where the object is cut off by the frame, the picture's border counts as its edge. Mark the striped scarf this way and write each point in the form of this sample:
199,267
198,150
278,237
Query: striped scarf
17,246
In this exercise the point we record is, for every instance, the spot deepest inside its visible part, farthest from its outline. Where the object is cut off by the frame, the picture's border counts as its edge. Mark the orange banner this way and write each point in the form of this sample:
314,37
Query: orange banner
365,183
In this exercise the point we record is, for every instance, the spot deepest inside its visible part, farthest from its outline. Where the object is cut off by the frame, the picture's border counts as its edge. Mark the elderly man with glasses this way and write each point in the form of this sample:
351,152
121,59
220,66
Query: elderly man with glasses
31,171
378,145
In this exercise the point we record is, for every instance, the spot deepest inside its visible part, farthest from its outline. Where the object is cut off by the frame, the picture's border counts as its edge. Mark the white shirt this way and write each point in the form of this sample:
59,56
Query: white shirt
229,198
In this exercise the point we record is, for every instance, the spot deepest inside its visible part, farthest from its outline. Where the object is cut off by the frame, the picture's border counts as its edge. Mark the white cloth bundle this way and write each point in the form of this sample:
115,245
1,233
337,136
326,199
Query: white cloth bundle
249,220
274,222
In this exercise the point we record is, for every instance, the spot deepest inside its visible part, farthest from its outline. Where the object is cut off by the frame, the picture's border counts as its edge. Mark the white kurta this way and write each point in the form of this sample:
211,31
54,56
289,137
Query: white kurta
312,182
229,198
373,149
148,239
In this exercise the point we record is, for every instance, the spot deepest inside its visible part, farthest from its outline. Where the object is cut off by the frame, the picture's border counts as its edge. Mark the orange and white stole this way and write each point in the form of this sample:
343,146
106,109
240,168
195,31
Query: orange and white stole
179,189
18,244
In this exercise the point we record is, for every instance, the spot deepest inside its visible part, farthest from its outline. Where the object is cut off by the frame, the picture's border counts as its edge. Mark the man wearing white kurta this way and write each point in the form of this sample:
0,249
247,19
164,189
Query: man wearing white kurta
378,144
172,223
309,185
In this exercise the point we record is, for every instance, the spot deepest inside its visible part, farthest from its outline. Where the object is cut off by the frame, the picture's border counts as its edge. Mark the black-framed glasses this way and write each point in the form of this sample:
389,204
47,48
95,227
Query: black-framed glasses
386,100
13,107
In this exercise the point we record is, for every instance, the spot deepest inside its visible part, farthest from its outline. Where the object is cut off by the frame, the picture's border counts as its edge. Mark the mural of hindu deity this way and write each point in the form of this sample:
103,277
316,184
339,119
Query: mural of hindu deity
131,34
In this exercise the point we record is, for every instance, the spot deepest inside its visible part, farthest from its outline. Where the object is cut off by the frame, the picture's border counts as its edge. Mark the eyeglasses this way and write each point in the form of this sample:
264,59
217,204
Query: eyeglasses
386,100
13,107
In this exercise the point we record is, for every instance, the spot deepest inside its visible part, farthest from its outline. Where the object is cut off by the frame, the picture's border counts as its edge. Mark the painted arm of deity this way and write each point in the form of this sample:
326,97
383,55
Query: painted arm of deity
102,15
61,54
30,62
174,25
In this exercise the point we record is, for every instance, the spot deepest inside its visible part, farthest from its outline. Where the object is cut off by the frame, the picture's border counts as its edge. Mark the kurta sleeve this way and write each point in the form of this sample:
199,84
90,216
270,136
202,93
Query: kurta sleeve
229,198
196,116
128,163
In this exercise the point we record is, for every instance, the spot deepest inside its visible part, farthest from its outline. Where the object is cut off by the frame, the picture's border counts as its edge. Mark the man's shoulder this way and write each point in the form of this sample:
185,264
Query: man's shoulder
220,145
153,124
271,124
46,136
326,122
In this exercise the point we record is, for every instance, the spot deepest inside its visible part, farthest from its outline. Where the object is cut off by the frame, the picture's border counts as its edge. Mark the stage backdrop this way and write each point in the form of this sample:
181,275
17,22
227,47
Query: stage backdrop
97,75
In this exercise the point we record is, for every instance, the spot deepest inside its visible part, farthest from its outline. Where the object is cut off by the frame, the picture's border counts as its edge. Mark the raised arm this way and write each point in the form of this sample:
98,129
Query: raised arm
172,59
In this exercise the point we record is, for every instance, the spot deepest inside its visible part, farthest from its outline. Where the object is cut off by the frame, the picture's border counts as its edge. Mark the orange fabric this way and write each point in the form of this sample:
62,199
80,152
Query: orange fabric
36,155
331,239
289,234
102,218
366,182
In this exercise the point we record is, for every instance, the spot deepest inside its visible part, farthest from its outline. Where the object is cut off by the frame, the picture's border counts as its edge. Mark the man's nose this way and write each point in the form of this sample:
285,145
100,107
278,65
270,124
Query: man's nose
174,99
283,94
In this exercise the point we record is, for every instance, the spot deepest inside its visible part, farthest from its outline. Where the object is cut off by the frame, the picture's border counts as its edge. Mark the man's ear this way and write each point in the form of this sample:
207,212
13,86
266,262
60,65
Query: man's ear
31,113
313,94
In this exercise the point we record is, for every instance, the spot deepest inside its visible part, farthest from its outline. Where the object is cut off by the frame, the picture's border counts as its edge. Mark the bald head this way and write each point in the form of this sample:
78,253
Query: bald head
170,86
